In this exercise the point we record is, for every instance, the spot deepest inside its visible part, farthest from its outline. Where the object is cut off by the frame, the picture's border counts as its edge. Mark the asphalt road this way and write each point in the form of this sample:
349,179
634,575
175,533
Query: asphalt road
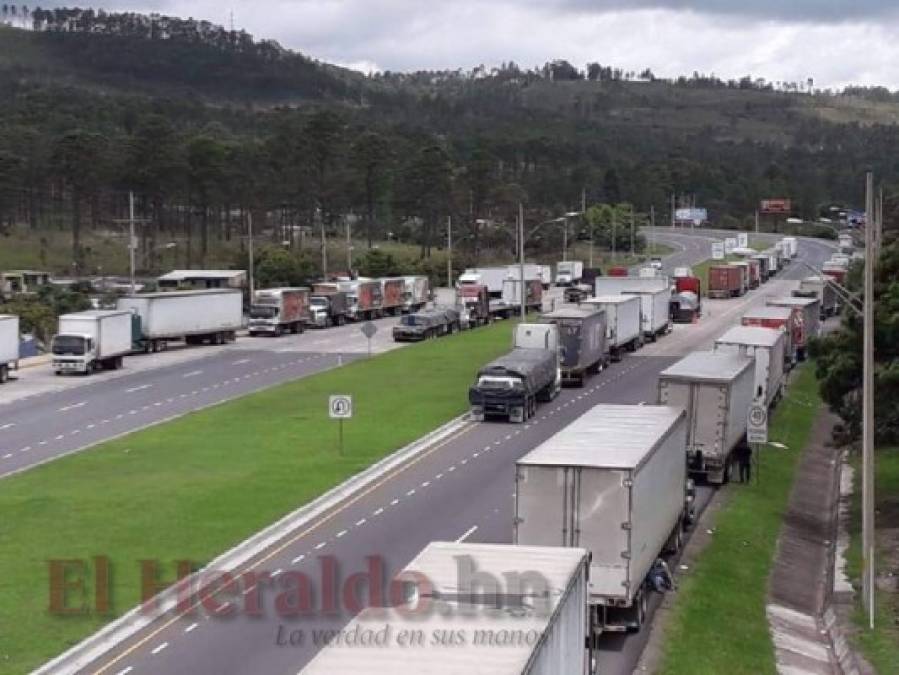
461,487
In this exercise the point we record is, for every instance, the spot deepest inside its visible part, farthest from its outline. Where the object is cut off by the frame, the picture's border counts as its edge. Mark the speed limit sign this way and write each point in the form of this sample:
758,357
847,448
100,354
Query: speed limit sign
340,406
757,424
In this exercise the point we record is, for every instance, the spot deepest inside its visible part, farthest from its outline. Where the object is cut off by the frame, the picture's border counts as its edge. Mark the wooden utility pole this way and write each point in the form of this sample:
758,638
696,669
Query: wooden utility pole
868,405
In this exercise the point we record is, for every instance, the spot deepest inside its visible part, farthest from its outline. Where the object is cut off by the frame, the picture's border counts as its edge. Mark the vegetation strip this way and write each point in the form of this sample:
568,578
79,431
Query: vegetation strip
725,593
193,488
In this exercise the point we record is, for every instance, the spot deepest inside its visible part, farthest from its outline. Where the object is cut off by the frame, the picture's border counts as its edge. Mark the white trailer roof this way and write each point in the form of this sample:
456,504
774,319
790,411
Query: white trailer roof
753,336
179,294
99,313
629,283
183,275
607,436
573,312
610,300
792,302
708,367
439,564
769,312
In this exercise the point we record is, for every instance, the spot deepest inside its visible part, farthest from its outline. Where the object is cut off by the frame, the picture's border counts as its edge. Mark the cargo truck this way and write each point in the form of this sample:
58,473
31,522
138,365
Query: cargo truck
91,340
623,322
784,318
582,333
327,307
655,316
512,295
821,288
212,316
510,386
275,310
532,271
9,345
685,307
416,293
716,389
808,323
764,263
725,281
392,291
474,300
614,285
363,298
569,272
836,271
614,483
533,622
423,325
491,277
767,347
745,277
584,288
790,247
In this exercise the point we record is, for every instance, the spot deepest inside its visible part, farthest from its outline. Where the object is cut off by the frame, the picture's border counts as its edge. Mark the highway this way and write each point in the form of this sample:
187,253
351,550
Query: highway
460,487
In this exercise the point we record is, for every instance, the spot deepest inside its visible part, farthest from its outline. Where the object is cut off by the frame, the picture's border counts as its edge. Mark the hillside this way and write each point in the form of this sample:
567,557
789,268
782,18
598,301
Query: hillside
207,126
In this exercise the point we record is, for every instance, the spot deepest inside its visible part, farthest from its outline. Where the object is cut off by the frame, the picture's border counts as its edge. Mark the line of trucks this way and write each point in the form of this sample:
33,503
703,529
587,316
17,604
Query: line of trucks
733,279
597,505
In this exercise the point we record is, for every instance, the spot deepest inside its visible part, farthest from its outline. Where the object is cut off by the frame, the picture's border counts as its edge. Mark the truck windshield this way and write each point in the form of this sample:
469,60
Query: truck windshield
318,302
263,312
68,344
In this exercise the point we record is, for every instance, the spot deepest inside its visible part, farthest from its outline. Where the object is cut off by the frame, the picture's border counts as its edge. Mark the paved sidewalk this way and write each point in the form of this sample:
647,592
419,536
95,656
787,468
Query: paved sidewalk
799,589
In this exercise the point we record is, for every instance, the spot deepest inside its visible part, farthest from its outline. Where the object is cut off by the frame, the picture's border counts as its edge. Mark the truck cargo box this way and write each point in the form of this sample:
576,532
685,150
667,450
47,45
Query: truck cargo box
655,318
416,293
821,288
808,320
777,317
716,389
582,332
542,594
173,315
767,346
491,277
764,263
511,296
392,290
612,482
725,281
277,309
615,285
9,344
623,322
91,339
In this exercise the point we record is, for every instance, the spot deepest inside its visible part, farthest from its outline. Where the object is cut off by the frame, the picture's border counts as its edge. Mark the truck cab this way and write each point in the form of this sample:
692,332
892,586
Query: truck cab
73,352
264,319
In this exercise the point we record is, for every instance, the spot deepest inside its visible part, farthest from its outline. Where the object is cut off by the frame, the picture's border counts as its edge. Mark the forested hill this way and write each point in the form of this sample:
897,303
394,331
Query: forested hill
202,122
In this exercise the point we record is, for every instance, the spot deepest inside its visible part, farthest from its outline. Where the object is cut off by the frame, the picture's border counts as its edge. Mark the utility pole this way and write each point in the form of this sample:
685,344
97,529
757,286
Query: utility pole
673,210
349,246
250,252
564,238
633,227
868,405
449,251
321,223
756,221
132,243
614,232
652,229
521,259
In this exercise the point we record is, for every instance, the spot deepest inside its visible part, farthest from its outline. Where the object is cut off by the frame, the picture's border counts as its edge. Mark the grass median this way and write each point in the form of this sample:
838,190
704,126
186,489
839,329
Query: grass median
192,488
718,624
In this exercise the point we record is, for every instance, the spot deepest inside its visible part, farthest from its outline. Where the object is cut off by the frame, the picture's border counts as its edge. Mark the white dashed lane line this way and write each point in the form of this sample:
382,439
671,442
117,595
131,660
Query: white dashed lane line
73,406
191,627
193,373
138,388
159,648
8,425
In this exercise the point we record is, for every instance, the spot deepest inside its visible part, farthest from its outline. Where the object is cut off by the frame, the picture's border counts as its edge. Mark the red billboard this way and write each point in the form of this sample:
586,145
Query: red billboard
776,206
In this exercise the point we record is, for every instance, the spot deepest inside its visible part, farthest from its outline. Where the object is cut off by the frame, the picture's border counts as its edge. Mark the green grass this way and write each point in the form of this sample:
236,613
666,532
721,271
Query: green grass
881,645
718,623
192,488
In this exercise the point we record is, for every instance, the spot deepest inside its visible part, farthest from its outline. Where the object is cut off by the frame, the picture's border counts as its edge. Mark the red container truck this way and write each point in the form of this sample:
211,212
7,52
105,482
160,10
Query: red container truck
618,272
755,273
725,281
392,299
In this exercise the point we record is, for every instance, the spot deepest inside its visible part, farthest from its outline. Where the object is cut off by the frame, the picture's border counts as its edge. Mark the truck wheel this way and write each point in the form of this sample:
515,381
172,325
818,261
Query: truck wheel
4,373
118,363
278,331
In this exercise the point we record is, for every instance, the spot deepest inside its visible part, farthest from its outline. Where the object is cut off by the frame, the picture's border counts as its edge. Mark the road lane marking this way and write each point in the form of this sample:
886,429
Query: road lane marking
239,362
378,512
25,449
73,406
298,559
411,492
125,671
193,373
8,425
159,648
470,531
191,627
360,522
394,502
138,388
277,572
319,546
8,455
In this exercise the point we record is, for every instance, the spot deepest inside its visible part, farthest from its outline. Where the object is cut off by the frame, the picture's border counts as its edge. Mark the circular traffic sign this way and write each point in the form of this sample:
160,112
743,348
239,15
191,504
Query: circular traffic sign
369,329
758,415
340,406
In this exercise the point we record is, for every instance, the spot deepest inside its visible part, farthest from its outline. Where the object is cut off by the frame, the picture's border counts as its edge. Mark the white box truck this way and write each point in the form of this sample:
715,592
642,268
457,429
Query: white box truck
512,610
212,316
9,345
767,346
88,341
416,293
716,389
491,277
569,272
275,310
821,288
810,319
533,271
623,322
615,285
655,313
613,482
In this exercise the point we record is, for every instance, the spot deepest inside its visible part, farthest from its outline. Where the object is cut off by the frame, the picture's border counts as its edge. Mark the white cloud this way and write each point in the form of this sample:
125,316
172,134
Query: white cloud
784,40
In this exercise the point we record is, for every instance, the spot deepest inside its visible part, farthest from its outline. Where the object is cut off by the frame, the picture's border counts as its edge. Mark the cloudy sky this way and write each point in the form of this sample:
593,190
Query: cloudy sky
836,42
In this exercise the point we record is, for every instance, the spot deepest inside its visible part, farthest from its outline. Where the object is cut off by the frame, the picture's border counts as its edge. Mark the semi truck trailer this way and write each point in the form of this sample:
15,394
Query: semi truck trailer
533,295
784,318
533,622
91,340
614,483
716,389
809,320
582,334
392,292
726,281
491,277
655,315
767,347
416,293
275,310
9,345
819,287
212,316
623,322
510,386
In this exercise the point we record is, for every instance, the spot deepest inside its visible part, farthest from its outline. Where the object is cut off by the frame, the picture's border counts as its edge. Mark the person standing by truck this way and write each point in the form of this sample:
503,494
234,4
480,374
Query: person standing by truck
744,458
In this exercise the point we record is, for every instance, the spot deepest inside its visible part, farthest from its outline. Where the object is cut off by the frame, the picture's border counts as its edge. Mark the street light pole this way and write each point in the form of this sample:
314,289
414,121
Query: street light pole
521,258
349,246
868,406
252,282
449,251
614,232
321,223
633,224
131,241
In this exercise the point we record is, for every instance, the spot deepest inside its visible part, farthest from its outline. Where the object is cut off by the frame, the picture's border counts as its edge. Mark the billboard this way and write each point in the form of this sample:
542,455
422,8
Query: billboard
776,206
718,250
694,215
729,245
743,240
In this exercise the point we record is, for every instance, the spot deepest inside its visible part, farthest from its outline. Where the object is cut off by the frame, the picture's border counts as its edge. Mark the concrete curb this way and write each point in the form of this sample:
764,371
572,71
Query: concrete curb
93,647
32,361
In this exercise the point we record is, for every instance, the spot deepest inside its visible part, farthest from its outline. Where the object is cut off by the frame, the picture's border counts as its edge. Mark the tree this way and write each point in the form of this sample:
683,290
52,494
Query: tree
205,161
372,157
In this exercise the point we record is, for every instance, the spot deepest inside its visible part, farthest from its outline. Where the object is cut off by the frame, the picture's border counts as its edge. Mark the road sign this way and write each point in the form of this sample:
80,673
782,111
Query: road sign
729,245
340,406
743,240
369,329
718,250
757,423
